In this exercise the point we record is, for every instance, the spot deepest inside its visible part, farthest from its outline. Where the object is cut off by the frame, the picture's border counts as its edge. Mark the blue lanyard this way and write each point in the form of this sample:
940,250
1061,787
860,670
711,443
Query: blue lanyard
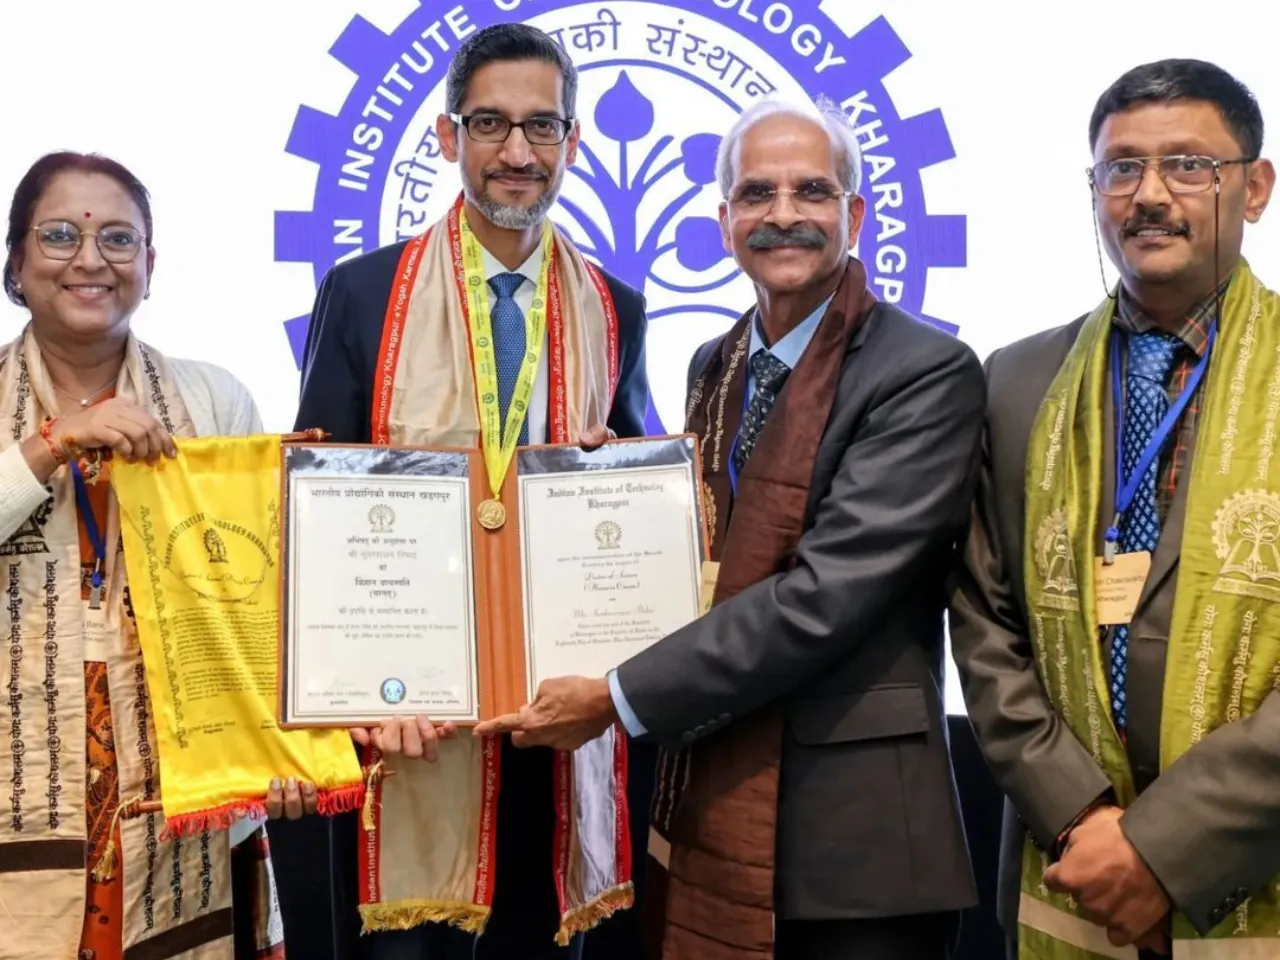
1126,490
95,536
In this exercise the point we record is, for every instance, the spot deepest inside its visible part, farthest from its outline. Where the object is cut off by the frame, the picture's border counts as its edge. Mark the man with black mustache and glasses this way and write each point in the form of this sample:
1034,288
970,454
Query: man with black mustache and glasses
1117,620
806,804
489,330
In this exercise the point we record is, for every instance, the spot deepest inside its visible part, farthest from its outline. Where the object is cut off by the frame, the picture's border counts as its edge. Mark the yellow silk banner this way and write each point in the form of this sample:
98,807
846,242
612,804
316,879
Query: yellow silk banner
201,545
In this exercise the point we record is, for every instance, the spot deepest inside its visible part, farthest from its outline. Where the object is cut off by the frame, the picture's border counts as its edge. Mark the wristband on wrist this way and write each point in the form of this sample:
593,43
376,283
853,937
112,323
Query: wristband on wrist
57,450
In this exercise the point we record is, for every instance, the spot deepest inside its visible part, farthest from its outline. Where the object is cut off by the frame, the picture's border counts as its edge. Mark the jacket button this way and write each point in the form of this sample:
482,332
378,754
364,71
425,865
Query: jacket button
1216,915
1241,894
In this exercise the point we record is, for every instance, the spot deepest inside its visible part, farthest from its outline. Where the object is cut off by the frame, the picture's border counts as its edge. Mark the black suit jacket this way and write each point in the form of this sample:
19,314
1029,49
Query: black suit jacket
850,641
346,333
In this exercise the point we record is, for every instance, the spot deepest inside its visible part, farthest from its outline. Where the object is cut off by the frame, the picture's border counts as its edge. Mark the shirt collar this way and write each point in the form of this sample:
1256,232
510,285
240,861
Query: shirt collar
530,269
792,346
1192,331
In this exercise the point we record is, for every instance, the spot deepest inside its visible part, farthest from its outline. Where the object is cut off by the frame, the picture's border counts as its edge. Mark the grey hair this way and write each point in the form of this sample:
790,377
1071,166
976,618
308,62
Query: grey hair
824,111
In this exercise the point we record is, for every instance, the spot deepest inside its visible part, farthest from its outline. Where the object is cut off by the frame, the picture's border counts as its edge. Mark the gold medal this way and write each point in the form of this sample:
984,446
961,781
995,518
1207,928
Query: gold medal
491,514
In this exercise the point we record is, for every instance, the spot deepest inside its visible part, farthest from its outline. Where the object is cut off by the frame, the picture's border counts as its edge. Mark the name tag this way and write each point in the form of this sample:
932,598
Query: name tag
1118,587
710,574
96,637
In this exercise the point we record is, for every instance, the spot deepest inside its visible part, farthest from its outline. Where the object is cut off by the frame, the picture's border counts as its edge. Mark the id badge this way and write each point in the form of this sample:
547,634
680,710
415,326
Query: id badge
1118,587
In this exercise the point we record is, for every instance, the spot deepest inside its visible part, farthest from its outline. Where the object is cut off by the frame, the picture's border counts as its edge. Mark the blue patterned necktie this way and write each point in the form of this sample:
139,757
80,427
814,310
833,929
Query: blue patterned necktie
1151,357
508,342
770,373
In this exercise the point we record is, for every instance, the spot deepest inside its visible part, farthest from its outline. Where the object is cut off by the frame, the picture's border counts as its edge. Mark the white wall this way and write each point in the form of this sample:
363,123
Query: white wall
200,100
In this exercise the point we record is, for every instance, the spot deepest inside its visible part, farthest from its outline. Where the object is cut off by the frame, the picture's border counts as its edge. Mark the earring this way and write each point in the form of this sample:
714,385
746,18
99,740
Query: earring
147,295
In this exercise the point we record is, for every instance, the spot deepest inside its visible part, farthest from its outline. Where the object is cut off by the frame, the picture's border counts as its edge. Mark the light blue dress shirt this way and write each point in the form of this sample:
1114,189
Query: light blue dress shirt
789,350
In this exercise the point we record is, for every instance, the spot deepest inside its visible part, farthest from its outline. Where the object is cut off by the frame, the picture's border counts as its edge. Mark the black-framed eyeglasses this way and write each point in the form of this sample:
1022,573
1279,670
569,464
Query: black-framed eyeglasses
61,240
810,196
1181,173
492,128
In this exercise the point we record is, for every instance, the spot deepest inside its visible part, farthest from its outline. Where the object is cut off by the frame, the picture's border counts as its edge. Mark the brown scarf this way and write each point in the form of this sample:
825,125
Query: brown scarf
716,806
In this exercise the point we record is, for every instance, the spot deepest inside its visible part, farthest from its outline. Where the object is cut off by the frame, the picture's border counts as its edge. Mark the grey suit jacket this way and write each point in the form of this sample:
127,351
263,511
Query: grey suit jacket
850,641
1209,826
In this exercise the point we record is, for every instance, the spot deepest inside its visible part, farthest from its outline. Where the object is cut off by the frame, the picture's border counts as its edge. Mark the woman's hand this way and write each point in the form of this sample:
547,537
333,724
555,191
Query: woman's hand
290,799
117,425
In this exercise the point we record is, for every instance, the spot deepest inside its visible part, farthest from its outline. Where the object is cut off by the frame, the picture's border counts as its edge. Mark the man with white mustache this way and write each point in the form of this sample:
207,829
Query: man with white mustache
806,807
522,288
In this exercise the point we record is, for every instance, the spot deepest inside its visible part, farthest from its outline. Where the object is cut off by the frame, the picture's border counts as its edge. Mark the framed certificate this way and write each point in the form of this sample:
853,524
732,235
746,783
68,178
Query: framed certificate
378,616
408,590
611,546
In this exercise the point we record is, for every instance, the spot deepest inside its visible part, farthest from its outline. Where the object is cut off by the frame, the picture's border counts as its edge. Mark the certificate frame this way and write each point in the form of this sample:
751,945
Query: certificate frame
390,463
656,459
497,556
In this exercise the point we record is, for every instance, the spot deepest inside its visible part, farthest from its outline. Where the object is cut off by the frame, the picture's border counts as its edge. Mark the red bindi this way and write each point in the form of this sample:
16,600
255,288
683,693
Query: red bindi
88,215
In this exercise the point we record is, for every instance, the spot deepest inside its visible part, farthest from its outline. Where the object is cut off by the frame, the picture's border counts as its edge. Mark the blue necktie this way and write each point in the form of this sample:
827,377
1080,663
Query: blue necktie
508,342
1151,357
770,373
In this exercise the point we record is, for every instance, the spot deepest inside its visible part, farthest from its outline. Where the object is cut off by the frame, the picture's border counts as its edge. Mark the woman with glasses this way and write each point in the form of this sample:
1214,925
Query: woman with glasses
76,388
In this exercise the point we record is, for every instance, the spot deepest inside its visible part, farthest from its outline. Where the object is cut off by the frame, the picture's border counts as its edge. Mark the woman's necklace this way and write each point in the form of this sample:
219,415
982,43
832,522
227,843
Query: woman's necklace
85,401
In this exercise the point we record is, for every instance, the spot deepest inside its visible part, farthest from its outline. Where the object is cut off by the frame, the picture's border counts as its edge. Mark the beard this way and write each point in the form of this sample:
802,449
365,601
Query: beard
510,217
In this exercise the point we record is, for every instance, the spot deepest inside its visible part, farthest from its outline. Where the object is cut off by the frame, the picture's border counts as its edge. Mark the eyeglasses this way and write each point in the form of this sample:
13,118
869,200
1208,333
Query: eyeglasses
60,240
813,196
1181,174
491,128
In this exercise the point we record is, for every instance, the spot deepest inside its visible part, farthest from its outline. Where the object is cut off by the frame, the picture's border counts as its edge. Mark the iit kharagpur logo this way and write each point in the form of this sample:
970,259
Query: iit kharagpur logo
660,84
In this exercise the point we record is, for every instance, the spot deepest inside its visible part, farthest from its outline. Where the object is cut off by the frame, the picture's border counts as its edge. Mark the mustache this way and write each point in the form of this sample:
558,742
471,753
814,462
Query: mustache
768,237
533,170
1157,220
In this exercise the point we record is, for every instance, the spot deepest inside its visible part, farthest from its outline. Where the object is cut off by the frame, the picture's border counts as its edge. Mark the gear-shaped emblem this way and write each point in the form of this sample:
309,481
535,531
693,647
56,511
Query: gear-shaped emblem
642,198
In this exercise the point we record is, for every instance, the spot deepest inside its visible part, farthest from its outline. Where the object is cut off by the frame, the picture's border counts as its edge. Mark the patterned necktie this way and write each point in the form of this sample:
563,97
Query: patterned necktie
770,373
1151,357
508,342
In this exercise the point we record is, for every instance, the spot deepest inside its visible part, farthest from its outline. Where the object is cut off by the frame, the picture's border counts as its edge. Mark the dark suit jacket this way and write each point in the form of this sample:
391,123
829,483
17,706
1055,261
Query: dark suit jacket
1207,826
850,641
337,389
346,333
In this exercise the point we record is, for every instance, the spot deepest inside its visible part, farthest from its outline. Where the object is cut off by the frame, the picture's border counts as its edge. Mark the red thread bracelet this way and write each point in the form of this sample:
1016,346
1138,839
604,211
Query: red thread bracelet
56,450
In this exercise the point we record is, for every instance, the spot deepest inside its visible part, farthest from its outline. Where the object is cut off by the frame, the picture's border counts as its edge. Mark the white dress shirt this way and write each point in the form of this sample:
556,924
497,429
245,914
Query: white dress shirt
523,297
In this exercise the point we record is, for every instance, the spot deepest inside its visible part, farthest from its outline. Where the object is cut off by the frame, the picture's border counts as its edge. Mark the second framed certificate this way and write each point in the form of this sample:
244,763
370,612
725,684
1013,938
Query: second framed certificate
611,552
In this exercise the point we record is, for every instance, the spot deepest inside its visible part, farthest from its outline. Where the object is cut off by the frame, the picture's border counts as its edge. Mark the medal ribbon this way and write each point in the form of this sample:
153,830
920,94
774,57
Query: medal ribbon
499,444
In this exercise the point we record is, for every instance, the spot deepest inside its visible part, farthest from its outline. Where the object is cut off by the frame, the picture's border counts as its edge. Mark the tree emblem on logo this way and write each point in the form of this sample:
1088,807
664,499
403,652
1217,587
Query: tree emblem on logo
381,518
608,535
214,546
626,116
